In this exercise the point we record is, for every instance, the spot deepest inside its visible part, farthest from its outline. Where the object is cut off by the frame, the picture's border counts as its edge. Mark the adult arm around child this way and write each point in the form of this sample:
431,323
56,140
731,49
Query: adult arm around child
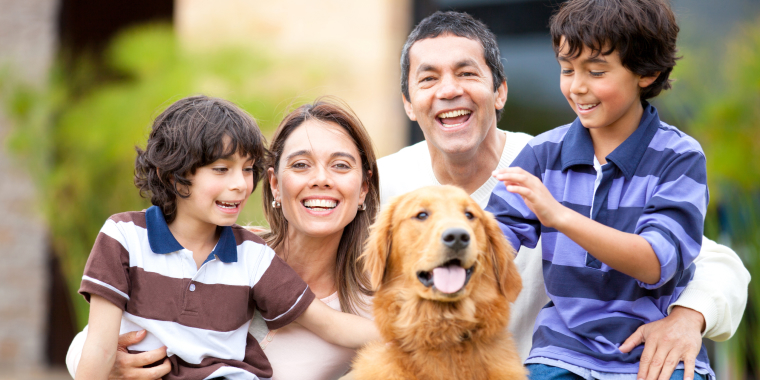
711,306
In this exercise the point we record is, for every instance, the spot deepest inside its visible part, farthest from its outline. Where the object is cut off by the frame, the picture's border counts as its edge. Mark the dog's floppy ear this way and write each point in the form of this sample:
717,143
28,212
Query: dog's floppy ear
502,254
378,246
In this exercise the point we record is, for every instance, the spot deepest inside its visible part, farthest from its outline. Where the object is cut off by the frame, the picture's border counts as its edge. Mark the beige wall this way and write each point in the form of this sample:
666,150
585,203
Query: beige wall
360,40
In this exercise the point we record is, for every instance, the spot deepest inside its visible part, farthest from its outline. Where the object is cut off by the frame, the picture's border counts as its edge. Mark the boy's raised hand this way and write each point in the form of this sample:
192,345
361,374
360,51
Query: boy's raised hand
535,194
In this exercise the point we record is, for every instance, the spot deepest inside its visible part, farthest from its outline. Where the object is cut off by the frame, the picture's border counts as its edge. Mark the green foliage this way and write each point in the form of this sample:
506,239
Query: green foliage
77,135
717,99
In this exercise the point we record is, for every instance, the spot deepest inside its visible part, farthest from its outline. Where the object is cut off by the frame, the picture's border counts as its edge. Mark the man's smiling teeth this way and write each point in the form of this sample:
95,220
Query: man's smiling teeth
446,115
587,106
321,203
229,205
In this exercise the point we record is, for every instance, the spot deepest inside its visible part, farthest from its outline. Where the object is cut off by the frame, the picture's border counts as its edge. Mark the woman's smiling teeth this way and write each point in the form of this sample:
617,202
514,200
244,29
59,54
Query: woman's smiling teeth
587,106
320,203
227,205
454,118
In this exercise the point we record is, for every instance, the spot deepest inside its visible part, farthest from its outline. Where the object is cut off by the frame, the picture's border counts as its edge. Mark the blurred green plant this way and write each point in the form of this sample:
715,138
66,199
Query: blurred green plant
77,133
717,99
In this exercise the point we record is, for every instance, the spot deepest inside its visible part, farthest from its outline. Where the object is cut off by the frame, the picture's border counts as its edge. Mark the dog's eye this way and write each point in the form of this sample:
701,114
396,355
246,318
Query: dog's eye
469,215
421,216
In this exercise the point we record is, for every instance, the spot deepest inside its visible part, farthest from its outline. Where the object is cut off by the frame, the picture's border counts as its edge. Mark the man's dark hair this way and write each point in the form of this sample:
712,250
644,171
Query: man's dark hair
194,132
642,32
461,25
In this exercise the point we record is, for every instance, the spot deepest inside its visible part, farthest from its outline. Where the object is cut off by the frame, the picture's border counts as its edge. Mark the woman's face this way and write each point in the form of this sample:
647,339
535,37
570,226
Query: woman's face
319,180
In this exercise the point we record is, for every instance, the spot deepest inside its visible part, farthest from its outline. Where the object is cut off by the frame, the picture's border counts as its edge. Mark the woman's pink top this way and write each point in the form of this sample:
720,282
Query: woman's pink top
298,354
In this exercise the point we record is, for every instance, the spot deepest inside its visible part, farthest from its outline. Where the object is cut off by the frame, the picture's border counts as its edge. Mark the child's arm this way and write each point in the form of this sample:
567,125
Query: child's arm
625,252
343,329
100,347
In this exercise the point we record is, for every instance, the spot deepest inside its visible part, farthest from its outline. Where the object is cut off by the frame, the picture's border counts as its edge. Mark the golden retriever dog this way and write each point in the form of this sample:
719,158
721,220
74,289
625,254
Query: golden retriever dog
444,278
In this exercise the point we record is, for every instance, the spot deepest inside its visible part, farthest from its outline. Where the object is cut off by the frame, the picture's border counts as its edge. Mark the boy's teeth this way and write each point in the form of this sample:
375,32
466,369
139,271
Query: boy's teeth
587,106
455,113
227,205
323,203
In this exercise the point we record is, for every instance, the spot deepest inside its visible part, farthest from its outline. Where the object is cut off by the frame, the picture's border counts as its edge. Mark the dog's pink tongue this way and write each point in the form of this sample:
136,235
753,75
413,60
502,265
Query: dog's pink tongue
449,279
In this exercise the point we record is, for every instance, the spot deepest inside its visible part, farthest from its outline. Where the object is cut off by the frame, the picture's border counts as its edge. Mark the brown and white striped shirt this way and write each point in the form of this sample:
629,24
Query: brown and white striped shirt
200,315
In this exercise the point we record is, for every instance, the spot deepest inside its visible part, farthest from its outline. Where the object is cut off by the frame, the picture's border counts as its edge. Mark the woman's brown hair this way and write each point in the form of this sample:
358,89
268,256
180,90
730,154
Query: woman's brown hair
350,279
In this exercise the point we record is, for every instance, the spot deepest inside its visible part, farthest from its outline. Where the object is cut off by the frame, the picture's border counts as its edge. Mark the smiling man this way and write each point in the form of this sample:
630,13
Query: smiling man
453,85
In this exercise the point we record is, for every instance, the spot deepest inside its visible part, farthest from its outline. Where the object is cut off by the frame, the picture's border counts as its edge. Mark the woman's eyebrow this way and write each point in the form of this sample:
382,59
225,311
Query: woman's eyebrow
343,154
302,152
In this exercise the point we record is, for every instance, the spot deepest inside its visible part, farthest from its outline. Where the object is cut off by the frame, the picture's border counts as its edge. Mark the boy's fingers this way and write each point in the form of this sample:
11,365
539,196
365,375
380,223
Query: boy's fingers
130,338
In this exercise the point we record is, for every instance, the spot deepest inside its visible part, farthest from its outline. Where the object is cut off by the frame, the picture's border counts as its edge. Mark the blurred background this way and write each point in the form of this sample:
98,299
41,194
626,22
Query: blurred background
81,80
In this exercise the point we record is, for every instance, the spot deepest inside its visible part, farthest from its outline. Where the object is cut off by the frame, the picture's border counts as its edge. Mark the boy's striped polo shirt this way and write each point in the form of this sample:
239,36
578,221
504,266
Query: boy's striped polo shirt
654,184
200,315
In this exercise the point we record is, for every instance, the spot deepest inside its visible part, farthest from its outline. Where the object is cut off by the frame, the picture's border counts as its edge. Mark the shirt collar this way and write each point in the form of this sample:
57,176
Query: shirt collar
578,149
162,241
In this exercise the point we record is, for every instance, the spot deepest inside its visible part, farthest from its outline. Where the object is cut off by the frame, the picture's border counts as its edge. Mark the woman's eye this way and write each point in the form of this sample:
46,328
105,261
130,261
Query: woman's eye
422,215
342,165
469,215
299,165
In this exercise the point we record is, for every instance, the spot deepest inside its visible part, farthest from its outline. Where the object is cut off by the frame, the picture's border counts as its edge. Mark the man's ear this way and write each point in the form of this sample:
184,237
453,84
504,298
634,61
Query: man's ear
501,95
408,108
645,82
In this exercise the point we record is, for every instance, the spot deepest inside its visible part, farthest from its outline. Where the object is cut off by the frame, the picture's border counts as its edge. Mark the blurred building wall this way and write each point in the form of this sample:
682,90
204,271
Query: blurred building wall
27,44
360,40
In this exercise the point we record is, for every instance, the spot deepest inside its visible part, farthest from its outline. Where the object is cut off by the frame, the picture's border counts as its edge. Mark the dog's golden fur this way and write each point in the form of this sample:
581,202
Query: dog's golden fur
429,334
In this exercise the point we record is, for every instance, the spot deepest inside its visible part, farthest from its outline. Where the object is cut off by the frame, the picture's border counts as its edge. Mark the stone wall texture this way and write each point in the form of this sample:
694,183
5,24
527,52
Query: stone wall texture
27,46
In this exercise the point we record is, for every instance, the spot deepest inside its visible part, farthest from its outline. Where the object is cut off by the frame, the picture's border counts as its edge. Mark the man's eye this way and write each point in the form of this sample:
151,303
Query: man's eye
422,215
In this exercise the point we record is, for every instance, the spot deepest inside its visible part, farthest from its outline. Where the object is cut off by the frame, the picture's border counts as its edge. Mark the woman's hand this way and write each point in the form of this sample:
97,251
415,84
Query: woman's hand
130,366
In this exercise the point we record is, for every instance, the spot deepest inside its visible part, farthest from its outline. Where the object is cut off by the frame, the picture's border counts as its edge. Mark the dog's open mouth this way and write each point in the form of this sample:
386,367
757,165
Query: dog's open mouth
448,278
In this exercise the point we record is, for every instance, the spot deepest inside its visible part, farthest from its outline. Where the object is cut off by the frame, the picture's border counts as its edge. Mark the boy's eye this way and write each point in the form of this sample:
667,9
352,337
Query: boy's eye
249,169
597,73
566,71
220,169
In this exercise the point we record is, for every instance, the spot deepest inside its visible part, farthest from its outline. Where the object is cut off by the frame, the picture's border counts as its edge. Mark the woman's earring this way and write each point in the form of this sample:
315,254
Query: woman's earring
362,207
276,204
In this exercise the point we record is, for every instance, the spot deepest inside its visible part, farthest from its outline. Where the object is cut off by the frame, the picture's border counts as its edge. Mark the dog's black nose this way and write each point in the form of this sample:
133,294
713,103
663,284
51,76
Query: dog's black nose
456,238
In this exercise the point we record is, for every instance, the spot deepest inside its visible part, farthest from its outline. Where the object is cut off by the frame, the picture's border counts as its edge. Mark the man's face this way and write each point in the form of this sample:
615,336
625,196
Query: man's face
451,93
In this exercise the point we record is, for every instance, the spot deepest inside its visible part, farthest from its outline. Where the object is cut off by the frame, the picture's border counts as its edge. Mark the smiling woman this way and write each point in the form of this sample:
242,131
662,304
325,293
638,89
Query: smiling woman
322,196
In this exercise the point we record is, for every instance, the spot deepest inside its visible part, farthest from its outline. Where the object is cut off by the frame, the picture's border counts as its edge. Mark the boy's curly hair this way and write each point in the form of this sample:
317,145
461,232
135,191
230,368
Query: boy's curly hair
643,32
194,132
